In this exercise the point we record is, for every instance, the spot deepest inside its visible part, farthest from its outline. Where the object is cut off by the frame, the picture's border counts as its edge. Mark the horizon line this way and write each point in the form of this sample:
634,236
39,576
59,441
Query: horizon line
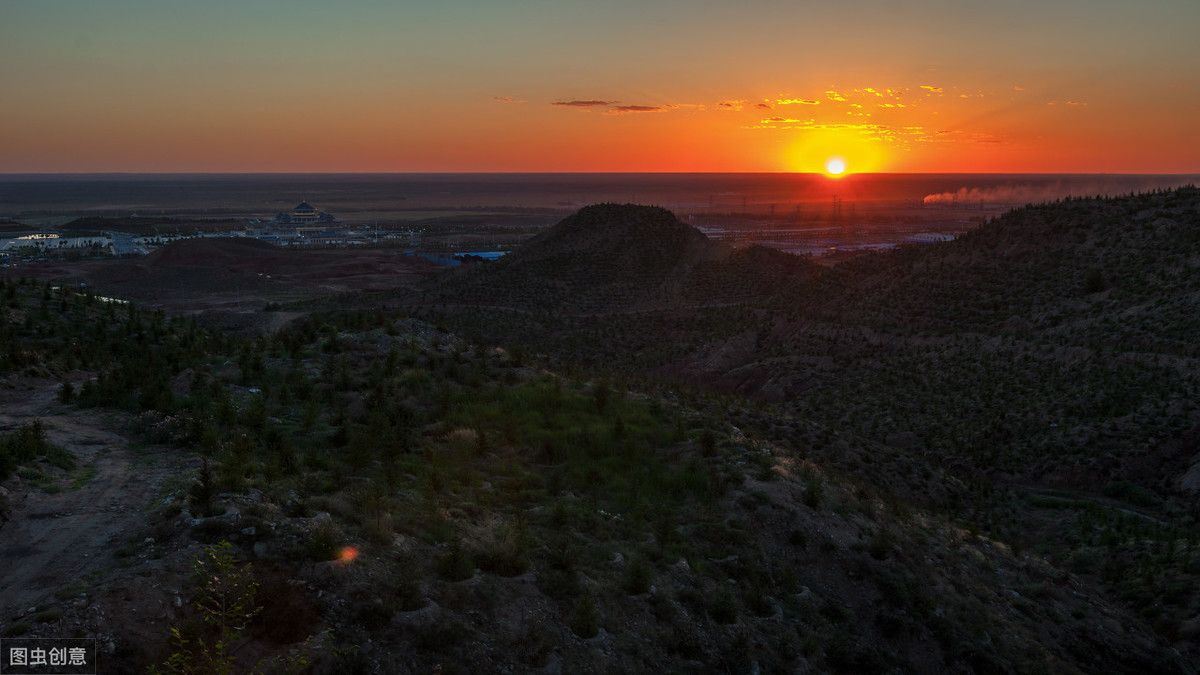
8,174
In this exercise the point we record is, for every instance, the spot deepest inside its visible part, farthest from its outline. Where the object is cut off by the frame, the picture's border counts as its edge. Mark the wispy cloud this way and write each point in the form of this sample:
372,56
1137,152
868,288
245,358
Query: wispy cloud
623,109
507,99
583,104
834,96
893,134
932,89
797,101
731,105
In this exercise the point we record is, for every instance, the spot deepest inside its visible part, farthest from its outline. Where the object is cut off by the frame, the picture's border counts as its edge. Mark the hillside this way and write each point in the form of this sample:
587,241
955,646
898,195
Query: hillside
406,500
1037,377
680,457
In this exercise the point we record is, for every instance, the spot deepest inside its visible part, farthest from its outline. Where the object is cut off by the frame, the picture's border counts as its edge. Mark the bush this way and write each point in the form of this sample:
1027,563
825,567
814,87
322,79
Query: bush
456,565
324,542
505,553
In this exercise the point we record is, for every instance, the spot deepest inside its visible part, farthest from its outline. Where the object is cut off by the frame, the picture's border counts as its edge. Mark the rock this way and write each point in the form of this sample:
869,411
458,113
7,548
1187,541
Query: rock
249,531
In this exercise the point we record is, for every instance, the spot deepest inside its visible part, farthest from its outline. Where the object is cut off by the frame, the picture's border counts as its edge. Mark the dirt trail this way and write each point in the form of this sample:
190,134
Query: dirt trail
52,541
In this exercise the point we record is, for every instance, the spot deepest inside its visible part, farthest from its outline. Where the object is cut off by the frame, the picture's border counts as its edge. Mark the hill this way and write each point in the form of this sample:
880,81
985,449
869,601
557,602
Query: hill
1037,377
150,225
611,257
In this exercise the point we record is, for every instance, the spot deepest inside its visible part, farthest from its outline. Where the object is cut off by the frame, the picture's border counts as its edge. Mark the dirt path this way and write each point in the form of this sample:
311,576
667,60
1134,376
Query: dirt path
56,540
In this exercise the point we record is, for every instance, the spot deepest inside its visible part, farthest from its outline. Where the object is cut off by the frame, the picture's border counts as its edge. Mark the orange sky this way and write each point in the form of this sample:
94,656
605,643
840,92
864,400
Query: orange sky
531,85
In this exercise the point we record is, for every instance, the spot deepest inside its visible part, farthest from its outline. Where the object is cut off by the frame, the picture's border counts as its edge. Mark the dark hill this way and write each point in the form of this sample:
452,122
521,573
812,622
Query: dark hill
213,265
611,257
146,225
216,252
1107,273
1058,342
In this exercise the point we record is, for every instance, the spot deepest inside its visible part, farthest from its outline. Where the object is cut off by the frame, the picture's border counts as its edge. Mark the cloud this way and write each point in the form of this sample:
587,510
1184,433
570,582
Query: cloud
834,96
931,88
763,106
796,101
622,109
1018,88
583,104
730,105
507,99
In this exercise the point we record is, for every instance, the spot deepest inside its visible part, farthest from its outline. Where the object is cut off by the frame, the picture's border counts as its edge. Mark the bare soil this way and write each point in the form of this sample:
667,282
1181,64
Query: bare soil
58,544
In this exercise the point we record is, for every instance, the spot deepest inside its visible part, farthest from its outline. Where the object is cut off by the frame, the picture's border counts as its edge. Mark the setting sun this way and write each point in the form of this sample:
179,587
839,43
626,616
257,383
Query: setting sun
835,166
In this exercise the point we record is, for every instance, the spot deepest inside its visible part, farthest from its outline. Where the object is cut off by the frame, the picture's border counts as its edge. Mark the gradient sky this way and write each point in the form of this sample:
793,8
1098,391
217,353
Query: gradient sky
620,85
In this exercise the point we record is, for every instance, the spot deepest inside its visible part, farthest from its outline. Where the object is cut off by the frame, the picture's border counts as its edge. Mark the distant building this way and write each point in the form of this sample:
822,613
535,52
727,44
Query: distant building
304,214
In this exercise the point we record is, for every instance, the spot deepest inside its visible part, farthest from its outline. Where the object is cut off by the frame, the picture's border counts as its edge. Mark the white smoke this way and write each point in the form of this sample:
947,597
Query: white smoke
1035,193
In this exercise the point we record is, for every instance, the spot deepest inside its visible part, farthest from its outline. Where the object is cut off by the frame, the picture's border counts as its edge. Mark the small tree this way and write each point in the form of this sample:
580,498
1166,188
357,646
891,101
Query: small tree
226,602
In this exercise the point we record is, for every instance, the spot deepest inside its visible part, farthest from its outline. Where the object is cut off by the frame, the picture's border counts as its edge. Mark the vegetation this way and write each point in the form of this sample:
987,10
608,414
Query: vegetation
605,454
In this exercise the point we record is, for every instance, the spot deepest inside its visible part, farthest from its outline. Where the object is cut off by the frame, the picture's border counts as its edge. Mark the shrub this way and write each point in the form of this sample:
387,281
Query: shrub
456,565
504,553
323,542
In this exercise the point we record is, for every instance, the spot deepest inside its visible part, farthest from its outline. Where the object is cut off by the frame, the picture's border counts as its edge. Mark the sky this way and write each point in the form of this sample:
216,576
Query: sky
929,86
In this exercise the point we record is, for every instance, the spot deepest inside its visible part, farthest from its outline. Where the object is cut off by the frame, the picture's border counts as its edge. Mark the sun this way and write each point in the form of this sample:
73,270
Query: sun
835,166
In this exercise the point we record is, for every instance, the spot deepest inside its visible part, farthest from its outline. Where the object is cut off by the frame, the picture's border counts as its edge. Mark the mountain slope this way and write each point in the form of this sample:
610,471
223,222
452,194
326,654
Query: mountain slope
1038,379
